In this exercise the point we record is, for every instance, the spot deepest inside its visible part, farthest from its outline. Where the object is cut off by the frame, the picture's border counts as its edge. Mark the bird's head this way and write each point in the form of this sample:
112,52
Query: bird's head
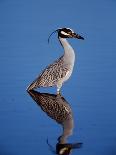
66,33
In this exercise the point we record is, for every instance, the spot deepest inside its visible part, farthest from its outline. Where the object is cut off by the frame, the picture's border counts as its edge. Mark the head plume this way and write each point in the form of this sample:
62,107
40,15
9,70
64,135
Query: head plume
52,34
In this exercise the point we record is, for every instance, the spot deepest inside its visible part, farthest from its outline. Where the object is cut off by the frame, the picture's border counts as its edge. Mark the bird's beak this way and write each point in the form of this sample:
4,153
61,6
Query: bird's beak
74,35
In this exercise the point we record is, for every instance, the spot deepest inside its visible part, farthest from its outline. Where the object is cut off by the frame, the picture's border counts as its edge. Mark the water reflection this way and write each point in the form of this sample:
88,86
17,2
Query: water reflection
56,107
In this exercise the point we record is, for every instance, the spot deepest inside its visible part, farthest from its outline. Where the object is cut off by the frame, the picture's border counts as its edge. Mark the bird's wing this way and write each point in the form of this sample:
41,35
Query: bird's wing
51,74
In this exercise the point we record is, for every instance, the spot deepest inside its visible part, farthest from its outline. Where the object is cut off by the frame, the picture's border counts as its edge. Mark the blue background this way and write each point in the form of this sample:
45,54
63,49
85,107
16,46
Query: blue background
91,91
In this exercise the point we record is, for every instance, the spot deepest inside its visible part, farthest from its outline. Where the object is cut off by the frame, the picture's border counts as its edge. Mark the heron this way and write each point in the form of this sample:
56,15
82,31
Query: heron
60,70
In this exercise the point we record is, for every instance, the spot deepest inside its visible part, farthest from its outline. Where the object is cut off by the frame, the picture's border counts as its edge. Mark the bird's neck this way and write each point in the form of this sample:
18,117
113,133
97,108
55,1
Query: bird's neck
68,126
68,50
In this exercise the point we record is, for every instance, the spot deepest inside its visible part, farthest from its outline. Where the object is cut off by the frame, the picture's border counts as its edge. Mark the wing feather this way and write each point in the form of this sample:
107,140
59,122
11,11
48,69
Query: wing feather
50,75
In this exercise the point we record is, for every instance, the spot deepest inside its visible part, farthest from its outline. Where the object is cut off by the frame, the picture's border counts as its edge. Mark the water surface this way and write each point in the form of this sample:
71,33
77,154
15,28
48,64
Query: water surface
91,91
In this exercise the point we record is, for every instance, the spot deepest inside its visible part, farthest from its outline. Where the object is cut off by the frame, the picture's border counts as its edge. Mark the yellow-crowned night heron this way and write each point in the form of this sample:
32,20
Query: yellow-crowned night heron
59,71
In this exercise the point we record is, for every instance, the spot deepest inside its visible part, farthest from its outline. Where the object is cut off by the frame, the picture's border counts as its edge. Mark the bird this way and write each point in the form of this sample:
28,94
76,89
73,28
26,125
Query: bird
60,70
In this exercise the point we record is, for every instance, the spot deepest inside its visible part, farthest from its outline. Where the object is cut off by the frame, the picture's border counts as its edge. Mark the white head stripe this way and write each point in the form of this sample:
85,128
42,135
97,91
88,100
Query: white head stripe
63,150
64,33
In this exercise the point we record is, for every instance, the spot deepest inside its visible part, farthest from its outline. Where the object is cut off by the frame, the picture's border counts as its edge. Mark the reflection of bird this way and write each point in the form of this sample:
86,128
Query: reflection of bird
60,71
56,107
65,149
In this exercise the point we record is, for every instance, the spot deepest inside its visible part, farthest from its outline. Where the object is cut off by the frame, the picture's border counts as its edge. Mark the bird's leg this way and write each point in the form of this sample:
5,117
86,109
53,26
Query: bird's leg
58,89
58,92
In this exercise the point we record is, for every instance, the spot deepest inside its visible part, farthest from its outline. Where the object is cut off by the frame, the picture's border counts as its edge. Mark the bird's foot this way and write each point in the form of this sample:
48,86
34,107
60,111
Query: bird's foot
58,93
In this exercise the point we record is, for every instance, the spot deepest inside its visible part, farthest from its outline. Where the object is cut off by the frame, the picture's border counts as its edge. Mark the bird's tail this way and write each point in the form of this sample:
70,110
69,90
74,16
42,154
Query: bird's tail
32,86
